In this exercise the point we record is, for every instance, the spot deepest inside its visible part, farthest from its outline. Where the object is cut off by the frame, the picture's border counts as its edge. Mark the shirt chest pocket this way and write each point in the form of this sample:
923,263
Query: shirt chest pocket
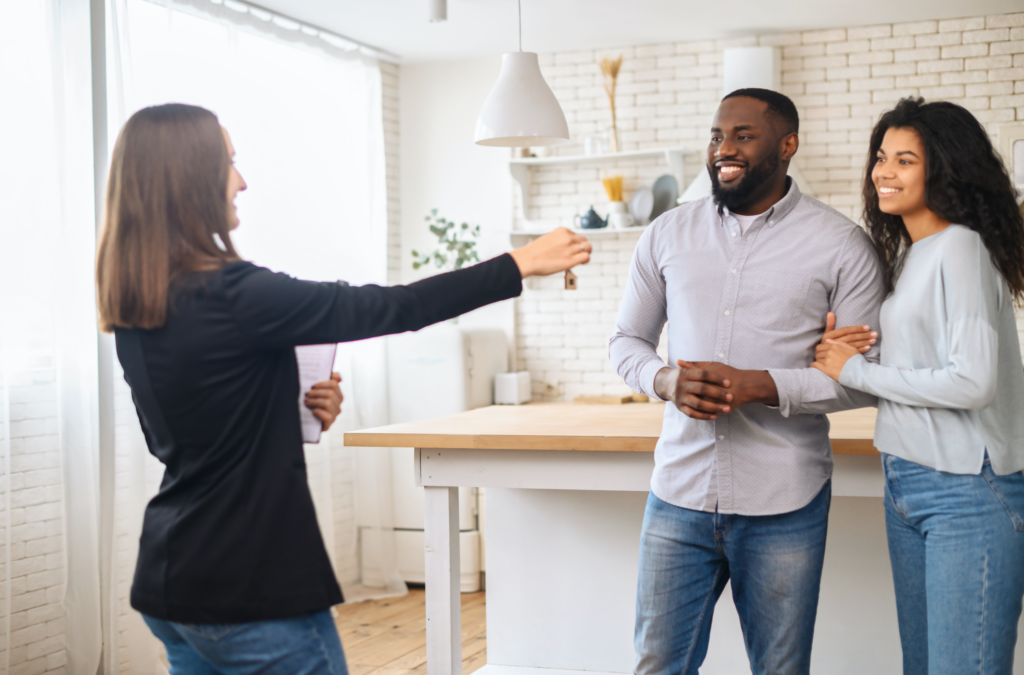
776,302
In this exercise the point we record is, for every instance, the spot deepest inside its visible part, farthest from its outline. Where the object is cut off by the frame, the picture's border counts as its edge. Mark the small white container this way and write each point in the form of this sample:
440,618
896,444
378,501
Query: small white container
620,221
512,388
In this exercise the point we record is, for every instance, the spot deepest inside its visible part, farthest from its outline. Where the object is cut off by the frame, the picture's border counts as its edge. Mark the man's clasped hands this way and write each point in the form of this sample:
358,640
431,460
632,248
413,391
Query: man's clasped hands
705,389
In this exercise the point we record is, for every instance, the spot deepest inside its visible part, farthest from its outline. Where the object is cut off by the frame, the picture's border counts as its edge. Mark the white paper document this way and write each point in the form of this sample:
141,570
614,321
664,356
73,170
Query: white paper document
315,364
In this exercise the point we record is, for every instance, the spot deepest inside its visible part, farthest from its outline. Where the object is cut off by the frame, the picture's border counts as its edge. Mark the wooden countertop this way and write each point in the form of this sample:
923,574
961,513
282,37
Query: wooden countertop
632,427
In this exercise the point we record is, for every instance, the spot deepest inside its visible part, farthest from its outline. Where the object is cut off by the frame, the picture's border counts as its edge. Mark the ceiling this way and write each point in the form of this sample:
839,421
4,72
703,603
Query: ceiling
487,27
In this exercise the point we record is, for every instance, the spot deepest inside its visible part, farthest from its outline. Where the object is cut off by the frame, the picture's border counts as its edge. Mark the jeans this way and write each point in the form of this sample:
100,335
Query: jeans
956,543
301,645
686,558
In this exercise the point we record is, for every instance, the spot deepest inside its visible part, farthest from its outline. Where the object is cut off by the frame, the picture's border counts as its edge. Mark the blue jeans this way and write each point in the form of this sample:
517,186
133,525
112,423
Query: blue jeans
956,543
301,645
686,558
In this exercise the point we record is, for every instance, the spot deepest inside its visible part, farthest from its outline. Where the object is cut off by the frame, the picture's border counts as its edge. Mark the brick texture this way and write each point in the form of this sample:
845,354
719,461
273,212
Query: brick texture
31,518
389,91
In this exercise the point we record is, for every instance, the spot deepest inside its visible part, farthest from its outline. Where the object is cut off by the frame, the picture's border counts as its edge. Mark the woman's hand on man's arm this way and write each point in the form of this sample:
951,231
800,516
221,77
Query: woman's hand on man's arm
840,345
861,338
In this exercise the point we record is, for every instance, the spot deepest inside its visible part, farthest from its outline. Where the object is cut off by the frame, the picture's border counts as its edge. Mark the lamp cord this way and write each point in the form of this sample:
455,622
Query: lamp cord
520,3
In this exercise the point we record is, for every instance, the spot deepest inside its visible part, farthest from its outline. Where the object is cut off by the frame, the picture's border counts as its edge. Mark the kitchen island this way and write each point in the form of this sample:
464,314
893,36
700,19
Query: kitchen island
566,489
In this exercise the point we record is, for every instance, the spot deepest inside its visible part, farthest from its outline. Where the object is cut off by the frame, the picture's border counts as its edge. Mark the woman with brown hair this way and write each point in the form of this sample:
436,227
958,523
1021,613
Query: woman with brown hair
942,212
232,573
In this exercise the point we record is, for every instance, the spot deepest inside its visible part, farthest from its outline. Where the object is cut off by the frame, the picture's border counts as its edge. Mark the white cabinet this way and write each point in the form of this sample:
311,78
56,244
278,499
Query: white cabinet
438,371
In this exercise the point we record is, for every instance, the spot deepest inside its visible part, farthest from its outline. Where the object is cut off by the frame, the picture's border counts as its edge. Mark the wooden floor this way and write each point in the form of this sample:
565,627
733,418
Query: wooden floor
388,637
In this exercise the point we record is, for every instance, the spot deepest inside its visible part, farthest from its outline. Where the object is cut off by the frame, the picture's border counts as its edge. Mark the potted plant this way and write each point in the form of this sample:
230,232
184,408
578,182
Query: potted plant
456,244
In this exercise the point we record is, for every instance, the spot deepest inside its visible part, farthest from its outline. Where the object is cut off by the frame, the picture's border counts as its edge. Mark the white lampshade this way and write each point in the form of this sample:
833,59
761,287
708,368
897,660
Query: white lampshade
700,187
521,110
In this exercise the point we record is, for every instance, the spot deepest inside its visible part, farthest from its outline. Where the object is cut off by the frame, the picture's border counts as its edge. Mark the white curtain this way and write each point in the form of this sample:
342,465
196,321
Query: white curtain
49,438
304,115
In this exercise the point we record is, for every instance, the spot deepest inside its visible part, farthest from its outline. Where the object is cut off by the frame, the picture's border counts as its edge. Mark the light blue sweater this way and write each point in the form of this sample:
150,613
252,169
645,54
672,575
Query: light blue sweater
950,381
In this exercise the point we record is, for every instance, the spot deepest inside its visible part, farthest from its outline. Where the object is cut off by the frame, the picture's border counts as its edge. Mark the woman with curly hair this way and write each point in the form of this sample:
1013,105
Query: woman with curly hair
943,215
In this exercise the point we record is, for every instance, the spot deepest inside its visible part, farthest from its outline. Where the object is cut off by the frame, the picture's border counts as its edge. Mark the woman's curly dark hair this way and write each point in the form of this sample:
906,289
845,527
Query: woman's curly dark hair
965,183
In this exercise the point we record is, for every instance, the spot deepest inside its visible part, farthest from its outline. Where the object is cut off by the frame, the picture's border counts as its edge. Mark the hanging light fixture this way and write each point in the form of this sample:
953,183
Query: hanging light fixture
521,110
437,10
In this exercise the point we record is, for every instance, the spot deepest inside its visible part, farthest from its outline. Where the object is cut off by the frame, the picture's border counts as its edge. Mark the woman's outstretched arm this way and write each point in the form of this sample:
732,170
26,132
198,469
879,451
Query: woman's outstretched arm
275,310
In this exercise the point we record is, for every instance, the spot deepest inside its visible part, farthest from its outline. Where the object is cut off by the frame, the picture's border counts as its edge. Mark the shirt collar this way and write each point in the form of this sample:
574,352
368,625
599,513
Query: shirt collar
779,209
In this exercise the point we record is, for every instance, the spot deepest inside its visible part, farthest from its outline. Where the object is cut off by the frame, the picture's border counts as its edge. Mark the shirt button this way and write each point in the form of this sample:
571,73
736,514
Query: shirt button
727,312
734,234
721,438
721,355
734,271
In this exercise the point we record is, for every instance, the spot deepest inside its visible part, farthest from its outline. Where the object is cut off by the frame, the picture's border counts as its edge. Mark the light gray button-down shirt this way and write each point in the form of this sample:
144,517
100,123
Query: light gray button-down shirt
950,379
754,300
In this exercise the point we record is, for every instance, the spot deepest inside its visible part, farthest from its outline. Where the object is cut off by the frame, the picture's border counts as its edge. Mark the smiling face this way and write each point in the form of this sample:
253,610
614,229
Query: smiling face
748,156
899,173
235,183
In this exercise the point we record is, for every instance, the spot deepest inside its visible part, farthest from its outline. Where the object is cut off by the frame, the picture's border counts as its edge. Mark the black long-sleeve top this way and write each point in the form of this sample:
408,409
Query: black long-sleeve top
232,535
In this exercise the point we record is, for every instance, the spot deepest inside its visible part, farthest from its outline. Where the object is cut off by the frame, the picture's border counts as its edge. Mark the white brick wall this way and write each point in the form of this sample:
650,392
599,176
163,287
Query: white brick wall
562,338
840,79
35,586
389,85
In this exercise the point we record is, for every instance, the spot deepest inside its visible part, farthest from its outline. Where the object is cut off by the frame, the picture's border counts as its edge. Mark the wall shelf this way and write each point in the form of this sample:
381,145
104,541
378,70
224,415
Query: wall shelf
518,236
520,167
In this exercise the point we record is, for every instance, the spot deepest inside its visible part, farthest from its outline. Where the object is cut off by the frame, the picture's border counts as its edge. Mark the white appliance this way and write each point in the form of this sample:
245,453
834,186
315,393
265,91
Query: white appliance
440,370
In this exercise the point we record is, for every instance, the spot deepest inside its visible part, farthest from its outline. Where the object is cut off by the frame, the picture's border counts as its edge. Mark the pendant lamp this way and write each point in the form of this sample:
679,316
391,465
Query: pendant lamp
437,10
521,110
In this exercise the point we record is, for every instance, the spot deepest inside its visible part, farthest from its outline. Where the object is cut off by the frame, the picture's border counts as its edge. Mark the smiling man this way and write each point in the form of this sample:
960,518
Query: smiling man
741,486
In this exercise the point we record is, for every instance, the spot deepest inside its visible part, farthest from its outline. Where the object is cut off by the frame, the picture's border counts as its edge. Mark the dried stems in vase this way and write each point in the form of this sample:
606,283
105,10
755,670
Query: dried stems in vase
613,188
610,72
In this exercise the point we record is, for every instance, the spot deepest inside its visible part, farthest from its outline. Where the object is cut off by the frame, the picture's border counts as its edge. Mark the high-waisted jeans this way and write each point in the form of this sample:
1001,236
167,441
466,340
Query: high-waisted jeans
956,543
687,557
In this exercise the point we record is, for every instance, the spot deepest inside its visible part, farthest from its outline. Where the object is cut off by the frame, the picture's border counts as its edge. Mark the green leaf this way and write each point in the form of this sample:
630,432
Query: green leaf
456,243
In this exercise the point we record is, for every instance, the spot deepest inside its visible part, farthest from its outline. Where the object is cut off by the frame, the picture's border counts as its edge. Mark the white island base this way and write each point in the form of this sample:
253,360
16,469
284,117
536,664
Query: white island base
561,587
562,569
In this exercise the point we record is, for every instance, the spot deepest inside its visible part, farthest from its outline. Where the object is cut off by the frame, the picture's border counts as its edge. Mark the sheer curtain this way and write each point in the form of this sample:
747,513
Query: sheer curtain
48,348
305,118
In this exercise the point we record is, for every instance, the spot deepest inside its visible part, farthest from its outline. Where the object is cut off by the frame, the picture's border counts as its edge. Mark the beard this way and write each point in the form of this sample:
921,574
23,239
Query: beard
734,198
